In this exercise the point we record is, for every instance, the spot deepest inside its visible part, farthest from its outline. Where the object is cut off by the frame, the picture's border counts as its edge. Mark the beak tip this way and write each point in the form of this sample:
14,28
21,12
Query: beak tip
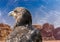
9,14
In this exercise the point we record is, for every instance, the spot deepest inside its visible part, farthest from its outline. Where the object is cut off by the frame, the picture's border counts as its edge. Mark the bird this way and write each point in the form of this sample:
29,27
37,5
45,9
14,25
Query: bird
22,16
23,30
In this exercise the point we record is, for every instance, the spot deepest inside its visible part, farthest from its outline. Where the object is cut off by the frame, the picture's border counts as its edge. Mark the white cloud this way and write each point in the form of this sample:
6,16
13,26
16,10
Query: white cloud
46,1
26,0
51,16
16,0
2,20
0,14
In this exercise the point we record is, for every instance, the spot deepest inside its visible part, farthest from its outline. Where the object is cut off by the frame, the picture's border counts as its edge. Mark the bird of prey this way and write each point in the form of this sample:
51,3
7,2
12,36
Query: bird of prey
22,16
23,30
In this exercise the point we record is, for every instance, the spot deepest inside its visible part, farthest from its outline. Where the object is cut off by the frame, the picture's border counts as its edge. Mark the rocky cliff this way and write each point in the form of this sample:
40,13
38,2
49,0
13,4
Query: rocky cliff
4,31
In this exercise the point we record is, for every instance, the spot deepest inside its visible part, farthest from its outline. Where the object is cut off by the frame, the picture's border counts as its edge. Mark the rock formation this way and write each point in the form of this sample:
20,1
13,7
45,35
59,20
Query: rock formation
38,26
57,33
4,31
47,31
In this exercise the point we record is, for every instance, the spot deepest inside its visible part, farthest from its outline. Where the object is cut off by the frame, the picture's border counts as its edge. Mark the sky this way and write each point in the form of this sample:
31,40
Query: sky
42,11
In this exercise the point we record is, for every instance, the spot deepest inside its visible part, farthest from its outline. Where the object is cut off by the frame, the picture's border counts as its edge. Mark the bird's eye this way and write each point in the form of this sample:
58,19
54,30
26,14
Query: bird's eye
15,11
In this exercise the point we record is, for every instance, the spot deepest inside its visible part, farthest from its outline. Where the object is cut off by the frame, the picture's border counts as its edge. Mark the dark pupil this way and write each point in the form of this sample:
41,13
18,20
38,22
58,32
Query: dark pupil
15,11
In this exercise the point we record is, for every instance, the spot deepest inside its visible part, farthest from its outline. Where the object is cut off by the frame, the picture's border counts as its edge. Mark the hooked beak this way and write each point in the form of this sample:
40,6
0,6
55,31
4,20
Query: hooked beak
10,13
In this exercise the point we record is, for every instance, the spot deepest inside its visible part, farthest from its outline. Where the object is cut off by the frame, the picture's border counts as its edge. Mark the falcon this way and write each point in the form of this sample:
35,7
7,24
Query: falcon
22,16
23,30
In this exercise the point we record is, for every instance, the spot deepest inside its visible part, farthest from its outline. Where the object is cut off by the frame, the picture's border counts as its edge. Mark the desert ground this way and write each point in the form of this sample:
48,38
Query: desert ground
51,41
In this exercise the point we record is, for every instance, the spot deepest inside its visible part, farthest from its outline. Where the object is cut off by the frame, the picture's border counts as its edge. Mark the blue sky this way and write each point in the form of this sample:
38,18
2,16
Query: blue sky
42,11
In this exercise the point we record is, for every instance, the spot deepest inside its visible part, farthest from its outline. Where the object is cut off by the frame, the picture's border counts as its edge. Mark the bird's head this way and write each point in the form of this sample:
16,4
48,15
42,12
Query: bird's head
21,15
17,12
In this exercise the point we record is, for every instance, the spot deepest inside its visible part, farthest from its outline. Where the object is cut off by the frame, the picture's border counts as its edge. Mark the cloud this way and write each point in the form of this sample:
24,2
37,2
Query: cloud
43,15
40,16
16,1
2,20
0,14
4,12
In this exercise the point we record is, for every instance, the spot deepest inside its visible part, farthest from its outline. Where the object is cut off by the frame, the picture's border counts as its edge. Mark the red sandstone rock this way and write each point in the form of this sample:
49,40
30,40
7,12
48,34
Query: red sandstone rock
57,33
4,31
47,31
